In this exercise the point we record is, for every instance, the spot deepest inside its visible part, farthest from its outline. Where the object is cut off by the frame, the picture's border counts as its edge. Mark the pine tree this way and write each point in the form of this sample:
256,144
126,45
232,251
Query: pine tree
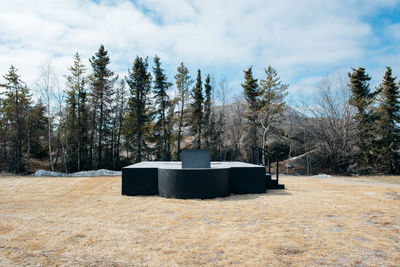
71,133
251,93
272,104
138,119
183,83
77,116
61,141
102,81
207,111
16,106
362,98
218,121
160,88
170,122
220,133
38,128
3,133
118,121
215,137
388,124
197,110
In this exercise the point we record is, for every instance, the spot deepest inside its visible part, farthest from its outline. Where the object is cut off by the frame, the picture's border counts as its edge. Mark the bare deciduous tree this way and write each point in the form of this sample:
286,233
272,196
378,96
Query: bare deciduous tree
333,123
236,126
46,83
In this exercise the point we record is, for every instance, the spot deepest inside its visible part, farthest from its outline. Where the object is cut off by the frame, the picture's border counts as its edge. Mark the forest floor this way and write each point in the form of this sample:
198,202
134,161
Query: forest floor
338,221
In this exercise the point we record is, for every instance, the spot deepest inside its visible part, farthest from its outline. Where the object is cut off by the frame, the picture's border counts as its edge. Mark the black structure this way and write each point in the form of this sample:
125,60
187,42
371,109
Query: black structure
169,179
194,183
247,179
140,180
261,157
195,177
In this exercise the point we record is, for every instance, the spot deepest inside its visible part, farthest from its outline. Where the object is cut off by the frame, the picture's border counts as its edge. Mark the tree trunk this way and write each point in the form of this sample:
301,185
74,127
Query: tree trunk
113,142
119,139
57,155
92,143
178,156
263,145
49,140
5,149
100,147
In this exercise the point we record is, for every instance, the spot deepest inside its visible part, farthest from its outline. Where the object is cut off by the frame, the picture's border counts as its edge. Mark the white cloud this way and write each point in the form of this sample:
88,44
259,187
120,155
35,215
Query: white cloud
290,35
394,31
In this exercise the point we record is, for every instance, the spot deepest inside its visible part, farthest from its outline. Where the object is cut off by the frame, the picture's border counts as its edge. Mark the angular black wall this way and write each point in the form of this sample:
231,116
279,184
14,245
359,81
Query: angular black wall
248,180
139,181
199,183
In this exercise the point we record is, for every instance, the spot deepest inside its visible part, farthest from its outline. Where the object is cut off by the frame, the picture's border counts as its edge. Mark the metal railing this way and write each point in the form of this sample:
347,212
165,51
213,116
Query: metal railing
262,157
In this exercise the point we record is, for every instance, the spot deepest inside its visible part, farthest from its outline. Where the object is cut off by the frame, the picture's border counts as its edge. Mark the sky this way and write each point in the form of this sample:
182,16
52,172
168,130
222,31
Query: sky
305,41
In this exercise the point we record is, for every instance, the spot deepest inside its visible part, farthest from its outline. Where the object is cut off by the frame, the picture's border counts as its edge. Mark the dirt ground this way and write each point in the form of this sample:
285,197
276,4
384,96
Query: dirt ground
86,221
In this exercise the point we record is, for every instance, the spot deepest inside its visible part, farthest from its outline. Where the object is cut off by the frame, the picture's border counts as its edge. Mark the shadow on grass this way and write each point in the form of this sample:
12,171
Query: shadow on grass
238,197
233,197
278,192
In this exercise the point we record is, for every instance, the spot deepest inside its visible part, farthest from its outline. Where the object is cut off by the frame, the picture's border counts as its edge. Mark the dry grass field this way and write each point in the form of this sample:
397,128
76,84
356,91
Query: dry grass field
86,221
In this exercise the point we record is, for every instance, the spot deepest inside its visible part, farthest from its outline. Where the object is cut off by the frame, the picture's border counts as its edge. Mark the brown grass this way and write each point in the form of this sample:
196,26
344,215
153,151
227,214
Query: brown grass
86,221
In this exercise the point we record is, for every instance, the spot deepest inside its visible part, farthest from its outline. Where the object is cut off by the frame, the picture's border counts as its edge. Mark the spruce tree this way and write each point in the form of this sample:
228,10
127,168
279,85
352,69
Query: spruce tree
37,129
77,113
102,81
138,119
70,126
3,133
220,133
251,93
16,107
207,111
118,121
215,134
388,150
183,82
272,103
160,87
197,111
170,122
362,99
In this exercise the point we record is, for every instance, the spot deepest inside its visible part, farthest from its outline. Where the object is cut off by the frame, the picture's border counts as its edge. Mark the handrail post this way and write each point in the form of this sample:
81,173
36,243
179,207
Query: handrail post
277,171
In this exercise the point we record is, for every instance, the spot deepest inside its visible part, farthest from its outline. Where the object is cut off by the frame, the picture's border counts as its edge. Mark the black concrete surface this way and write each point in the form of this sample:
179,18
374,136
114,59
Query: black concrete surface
193,183
139,181
245,180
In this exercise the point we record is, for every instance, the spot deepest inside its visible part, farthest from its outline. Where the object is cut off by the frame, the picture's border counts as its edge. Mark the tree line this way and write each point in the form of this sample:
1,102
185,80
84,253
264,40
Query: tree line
349,128
101,120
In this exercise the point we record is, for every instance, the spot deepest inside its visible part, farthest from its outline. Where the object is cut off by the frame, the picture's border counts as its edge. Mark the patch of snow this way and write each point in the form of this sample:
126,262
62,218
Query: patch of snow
322,175
101,172
369,193
49,173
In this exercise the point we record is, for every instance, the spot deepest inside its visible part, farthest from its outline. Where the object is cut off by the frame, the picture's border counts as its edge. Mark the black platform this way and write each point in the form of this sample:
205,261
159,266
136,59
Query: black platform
169,179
